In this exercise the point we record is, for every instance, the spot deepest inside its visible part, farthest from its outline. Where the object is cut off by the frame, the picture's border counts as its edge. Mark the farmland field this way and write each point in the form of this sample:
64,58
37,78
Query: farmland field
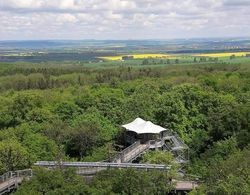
138,56
226,54
176,56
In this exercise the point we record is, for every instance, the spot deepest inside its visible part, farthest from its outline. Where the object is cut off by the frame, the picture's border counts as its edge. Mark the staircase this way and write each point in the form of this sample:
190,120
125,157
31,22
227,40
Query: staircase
178,148
131,153
175,145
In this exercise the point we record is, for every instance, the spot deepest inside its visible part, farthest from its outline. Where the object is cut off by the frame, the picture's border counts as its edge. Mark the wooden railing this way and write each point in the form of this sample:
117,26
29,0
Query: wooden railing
131,147
11,179
136,149
129,156
118,158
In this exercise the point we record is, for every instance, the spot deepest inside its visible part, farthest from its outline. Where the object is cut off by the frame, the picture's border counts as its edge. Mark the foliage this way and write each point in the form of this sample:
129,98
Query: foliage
230,176
13,156
66,111
54,182
82,138
130,181
162,157
217,152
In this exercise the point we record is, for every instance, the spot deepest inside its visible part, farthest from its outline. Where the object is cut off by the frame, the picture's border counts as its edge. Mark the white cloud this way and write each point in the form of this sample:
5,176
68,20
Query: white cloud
126,19
66,18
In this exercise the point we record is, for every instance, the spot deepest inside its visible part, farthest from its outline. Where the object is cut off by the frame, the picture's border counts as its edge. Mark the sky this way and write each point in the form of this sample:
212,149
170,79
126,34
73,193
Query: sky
123,19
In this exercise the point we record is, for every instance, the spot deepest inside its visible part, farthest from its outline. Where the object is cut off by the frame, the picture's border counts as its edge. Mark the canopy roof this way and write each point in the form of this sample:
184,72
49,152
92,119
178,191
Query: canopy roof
140,126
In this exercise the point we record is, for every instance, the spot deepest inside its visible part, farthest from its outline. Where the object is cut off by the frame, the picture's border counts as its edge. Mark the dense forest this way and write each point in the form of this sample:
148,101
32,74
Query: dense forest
75,113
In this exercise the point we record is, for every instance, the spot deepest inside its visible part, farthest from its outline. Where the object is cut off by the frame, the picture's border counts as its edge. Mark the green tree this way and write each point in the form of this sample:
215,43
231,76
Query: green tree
67,110
232,57
82,139
230,176
162,157
142,102
58,131
21,106
13,156
218,152
6,117
132,181
145,62
58,182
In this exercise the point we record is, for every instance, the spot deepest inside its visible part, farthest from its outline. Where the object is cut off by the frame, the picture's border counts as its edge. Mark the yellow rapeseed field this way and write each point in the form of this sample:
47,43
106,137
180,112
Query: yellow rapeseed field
144,56
222,54
137,56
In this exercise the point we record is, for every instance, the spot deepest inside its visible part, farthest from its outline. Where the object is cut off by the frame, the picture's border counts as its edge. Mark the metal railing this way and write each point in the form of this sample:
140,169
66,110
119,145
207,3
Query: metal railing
178,140
102,165
156,143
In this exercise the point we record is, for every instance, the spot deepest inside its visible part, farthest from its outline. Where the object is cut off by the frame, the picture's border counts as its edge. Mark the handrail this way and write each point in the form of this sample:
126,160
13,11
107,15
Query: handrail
121,155
126,154
13,174
174,134
5,177
11,179
131,147
135,153
99,164
156,143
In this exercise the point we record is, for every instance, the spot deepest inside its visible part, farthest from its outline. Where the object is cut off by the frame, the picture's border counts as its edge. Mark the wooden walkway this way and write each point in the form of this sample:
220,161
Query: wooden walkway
185,185
177,147
10,180
130,153
9,185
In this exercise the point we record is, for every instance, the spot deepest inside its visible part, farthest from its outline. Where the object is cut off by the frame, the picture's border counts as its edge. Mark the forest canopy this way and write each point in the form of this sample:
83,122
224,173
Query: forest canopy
69,113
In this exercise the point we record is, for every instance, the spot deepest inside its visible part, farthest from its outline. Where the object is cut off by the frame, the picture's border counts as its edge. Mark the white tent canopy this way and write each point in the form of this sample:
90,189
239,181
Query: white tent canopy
141,126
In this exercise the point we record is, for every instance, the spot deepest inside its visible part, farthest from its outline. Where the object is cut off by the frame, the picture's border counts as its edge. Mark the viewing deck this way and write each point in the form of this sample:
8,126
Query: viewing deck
171,143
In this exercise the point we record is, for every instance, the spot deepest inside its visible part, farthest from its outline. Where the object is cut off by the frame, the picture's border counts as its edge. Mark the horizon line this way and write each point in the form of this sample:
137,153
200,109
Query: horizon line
146,39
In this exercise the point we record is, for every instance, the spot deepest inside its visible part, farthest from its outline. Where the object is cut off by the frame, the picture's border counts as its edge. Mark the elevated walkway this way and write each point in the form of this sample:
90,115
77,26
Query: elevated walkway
130,153
170,143
12,179
177,143
91,168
